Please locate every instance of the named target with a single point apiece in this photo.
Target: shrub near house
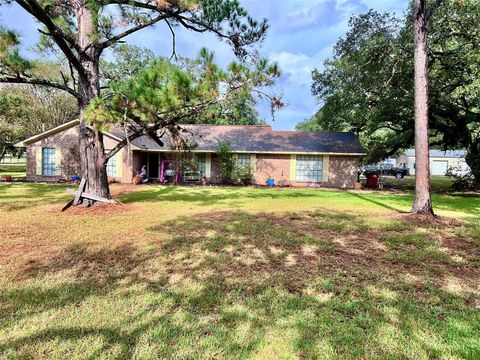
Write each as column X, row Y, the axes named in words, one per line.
column 296, row 158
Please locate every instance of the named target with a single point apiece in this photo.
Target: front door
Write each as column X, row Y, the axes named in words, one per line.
column 153, row 165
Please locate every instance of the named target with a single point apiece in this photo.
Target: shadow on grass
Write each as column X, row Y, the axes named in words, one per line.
column 236, row 285
column 376, row 201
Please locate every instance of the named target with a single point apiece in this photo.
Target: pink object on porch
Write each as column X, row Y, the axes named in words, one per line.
column 163, row 167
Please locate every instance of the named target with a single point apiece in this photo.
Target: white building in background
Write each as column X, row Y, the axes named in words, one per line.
column 440, row 161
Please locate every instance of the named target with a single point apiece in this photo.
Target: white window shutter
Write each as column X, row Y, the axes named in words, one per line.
column 38, row 160
column 293, row 167
column 326, row 168
column 118, row 164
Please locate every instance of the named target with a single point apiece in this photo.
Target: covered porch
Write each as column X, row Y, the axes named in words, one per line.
column 169, row 167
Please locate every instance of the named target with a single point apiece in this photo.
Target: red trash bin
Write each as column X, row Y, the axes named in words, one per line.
column 372, row 179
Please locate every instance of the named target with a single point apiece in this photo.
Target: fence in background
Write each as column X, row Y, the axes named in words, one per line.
column 12, row 159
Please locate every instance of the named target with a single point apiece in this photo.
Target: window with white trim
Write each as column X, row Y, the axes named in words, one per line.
column 243, row 161
column 309, row 168
column 196, row 168
column 112, row 166
column 201, row 161
column 48, row 161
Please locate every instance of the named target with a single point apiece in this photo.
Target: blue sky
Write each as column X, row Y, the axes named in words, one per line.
column 301, row 36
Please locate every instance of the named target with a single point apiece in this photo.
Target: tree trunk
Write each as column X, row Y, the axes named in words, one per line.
column 422, row 203
column 3, row 151
column 92, row 158
column 473, row 161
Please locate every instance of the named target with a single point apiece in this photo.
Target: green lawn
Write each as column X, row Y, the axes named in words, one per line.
column 177, row 272
column 14, row 170
column 438, row 183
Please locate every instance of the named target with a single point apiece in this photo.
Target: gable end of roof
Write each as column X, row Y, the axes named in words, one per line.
column 45, row 134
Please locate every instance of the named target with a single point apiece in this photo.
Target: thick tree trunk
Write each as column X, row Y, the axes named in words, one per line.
column 422, row 203
column 473, row 161
column 92, row 158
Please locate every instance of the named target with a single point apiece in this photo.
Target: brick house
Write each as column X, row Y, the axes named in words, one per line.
column 296, row 158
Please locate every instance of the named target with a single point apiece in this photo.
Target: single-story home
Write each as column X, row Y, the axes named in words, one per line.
column 296, row 158
column 440, row 161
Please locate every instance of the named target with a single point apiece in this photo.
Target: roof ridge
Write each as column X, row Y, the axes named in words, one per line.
column 313, row 131
column 226, row 125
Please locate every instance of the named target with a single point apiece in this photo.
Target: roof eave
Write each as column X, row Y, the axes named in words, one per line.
column 263, row 152
column 43, row 135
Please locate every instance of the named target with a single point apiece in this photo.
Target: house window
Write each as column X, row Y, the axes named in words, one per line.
column 112, row 166
column 243, row 161
column 196, row 169
column 201, row 161
column 309, row 168
column 48, row 161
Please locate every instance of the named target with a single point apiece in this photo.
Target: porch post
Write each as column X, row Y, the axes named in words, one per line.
column 162, row 170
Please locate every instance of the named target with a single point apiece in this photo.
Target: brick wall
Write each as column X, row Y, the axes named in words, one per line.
column 215, row 175
column 342, row 172
column 342, row 169
column 67, row 140
column 272, row 165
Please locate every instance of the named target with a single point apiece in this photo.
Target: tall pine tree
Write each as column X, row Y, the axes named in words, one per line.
column 82, row 29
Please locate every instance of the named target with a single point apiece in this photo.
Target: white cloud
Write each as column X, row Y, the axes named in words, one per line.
column 297, row 67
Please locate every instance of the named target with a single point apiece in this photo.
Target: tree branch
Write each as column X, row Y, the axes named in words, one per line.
column 150, row 130
column 200, row 28
column 41, row 82
column 60, row 37
column 115, row 38
column 174, row 52
column 68, row 38
column 138, row 4
column 136, row 134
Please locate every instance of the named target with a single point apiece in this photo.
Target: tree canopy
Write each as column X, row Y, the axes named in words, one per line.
column 109, row 21
column 27, row 110
column 80, row 31
column 129, row 60
column 165, row 94
column 367, row 86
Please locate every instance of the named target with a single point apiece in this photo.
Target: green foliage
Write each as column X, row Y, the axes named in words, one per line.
column 367, row 86
column 11, row 131
column 226, row 162
column 26, row 111
column 244, row 175
column 230, row 172
column 247, row 79
column 165, row 94
column 128, row 61
column 10, row 59
column 227, row 16
column 162, row 95
column 363, row 85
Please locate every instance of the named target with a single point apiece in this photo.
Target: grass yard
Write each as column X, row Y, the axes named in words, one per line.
column 438, row 183
column 195, row 273
column 14, row 170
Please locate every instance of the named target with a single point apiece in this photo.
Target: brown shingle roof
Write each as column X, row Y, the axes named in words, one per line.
column 252, row 138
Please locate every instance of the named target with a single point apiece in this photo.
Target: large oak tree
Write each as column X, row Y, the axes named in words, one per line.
column 367, row 86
